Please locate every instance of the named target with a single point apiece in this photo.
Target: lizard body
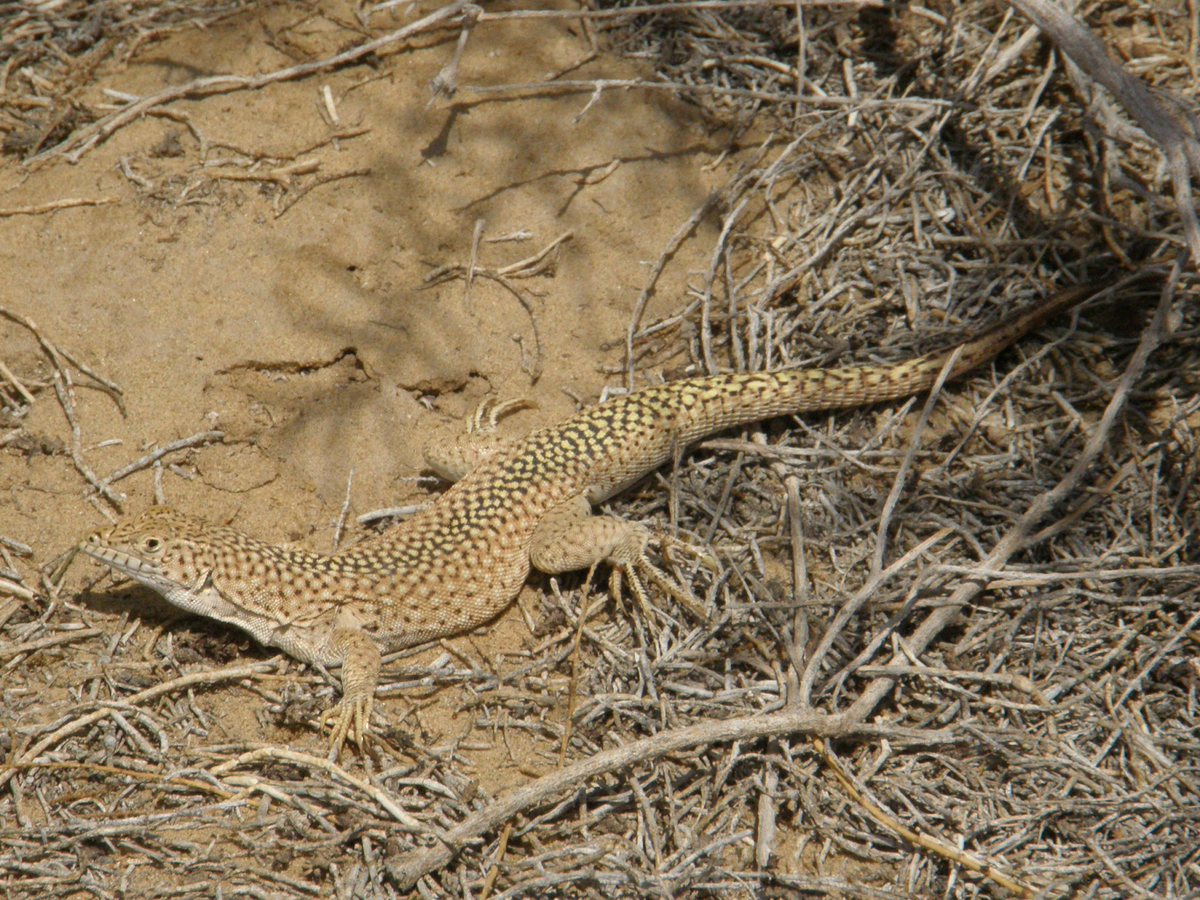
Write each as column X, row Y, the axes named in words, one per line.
column 460, row 561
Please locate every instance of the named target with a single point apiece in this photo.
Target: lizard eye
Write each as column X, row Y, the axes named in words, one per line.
column 151, row 544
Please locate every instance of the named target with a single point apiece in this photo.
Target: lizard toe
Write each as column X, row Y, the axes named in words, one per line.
column 349, row 719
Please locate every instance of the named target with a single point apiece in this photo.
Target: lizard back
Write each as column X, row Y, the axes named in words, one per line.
column 479, row 531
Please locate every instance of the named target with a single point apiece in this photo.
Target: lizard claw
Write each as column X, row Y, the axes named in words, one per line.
column 351, row 718
column 454, row 458
column 632, row 562
column 490, row 411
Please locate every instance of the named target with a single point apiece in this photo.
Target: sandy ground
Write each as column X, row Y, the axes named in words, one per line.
column 309, row 337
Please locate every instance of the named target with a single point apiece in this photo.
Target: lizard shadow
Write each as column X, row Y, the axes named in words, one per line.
column 195, row 637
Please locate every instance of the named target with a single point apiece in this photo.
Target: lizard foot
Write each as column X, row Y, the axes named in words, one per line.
column 454, row 458
column 629, row 560
column 490, row 411
column 351, row 718
column 569, row 537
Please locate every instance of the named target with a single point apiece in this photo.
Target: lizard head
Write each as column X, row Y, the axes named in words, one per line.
column 163, row 549
column 211, row 570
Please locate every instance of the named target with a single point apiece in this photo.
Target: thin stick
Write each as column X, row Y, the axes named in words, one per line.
column 290, row 198
column 472, row 262
column 534, row 368
column 203, row 437
column 16, row 383
column 23, row 549
column 40, row 208
column 65, row 637
column 341, row 519
column 86, row 138
column 671, row 249
column 66, row 399
column 57, row 354
column 125, row 772
column 524, row 266
column 316, row 762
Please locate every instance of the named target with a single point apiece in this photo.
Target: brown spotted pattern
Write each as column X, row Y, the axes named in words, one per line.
column 460, row 561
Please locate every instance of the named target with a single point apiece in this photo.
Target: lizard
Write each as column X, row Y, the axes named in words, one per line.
column 460, row 561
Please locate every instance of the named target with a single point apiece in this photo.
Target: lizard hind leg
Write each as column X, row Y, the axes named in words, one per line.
column 454, row 458
column 569, row 537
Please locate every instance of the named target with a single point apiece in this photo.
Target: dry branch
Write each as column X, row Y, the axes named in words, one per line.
column 408, row 869
column 39, row 208
column 1088, row 52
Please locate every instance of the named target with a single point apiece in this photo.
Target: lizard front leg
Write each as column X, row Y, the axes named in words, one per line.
column 569, row 537
column 361, row 662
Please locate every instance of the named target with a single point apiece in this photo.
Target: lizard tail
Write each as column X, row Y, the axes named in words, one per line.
column 712, row 404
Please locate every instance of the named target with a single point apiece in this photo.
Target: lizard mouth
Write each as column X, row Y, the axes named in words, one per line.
column 127, row 564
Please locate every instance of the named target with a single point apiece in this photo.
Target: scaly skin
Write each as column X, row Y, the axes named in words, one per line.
column 459, row 562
